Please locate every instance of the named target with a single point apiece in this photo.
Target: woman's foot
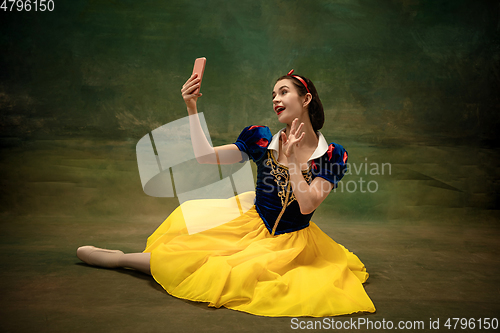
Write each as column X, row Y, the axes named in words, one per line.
column 99, row 257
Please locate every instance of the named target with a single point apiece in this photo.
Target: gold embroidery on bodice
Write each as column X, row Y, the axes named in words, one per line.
column 281, row 177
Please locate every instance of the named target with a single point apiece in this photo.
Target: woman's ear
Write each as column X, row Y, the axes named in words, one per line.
column 307, row 100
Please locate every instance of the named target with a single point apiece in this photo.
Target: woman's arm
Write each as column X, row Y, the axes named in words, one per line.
column 308, row 196
column 204, row 152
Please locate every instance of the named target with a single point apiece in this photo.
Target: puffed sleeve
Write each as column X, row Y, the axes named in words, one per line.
column 332, row 165
column 253, row 141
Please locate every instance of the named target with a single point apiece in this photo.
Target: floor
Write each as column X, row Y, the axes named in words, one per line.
column 429, row 237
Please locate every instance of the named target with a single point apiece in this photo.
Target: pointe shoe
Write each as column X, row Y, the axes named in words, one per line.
column 99, row 257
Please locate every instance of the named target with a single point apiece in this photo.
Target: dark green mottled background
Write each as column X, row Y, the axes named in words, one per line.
column 387, row 71
column 411, row 83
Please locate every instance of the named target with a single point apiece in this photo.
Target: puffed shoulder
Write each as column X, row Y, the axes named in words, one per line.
column 332, row 165
column 253, row 141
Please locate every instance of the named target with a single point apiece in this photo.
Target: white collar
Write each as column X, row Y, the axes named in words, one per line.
column 320, row 150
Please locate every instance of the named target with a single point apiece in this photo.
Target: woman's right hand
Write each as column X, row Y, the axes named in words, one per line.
column 188, row 89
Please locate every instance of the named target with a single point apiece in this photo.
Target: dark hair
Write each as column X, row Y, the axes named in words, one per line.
column 315, row 108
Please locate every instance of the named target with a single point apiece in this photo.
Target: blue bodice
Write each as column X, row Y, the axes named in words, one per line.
column 271, row 195
column 273, row 190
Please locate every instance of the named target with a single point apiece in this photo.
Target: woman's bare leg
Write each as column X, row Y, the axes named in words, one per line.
column 137, row 261
column 114, row 259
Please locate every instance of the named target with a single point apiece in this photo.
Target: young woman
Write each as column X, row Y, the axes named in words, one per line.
column 272, row 260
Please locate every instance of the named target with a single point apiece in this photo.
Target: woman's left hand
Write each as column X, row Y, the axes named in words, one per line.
column 294, row 138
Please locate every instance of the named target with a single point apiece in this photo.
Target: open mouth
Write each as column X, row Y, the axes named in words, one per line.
column 279, row 109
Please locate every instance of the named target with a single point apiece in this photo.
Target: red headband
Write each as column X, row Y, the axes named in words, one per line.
column 300, row 79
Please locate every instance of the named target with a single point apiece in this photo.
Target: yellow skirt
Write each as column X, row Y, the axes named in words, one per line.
column 240, row 266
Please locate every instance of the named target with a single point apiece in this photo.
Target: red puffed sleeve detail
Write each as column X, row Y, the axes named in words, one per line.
column 332, row 165
column 253, row 141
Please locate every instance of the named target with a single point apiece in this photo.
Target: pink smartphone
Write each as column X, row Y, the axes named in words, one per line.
column 199, row 68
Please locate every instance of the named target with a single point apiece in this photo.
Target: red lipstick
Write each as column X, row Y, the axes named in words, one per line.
column 279, row 108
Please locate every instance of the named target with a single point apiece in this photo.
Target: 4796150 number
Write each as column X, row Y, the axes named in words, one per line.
column 27, row 5
column 471, row 323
